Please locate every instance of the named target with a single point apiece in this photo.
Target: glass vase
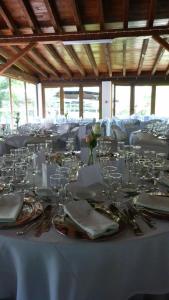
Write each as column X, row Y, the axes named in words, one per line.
column 91, row 157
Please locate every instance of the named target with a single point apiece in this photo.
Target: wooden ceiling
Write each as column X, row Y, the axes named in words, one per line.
column 56, row 40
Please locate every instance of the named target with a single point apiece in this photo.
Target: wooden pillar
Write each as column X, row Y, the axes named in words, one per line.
column 37, row 102
column 153, row 96
column 100, row 101
column 43, row 102
column 11, row 102
column 61, row 100
column 114, row 100
column 26, row 101
column 132, row 99
column 81, row 101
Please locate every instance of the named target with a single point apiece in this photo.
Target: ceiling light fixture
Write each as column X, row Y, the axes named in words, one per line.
column 84, row 42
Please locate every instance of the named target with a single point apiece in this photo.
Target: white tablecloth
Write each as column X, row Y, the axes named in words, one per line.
column 54, row 267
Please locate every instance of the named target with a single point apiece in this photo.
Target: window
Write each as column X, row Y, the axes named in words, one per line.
column 31, row 101
column 143, row 100
column 5, row 110
column 71, row 102
column 18, row 98
column 52, row 102
column 91, row 102
column 122, row 101
column 162, row 101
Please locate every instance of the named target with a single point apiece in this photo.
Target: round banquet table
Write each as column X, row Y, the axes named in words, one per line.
column 55, row 267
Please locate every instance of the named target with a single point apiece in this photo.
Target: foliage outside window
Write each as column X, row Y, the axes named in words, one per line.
column 91, row 102
column 122, row 101
column 71, row 102
column 5, row 109
column 31, row 102
column 142, row 100
column 52, row 102
column 18, row 99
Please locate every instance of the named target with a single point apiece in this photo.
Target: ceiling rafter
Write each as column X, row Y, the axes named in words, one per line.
column 9, row 21
column 124, row 57
column 80, row 27
column 161, row 41
column 142, row 56
column 108, row 58
column 30, row 15
column 52, row 10
column 29, row 12
column 167, row 70
column 7, row 17
column 106, row 49
column 125, row 13
column 16, row 57
column 6, row 55
column 157, row 59
column 46, row 65
column 151, row 13
column 53, row 52
column 49, row 38
column 31, row 63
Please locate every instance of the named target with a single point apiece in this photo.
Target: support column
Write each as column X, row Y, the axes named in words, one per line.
column 106, row 99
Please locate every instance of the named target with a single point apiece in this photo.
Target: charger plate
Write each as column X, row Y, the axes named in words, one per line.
column 156, row 196
column 30, row 211
column 67, row 227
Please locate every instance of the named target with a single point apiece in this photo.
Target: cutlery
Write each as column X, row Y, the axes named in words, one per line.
column 46, row 221
column 147, row 219
column 132, row 222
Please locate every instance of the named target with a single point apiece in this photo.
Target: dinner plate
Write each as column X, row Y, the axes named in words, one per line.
column 29, row 212
column 154, row 211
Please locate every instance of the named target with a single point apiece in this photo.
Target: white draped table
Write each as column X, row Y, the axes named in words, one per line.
column 54, row 267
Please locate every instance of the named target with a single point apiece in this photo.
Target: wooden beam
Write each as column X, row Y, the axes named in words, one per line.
column 106, row 49
column 101, row 14
column 5, row 54
column 29, row 13
column 125, row 13
column 124, row 57
column 142, row 56
column 49, row 38
column 76, row 15
column 13, row 73
column 54, row 53
column 153, row 97
column 80, row 27
column 91, row 59
column 108, row 58
column 31, row 63
column 167, row 71
column 52, row 10
column 42, row 60
column 75, row 59
column 11, row 61
column 7, row 17
column 161, row 41
column 151, row 13
column 157, row 59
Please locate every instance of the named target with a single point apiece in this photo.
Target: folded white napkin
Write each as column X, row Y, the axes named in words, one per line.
column 92, row 222
column 10, row 206
column 156, row 202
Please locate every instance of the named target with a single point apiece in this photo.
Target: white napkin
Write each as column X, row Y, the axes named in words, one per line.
column 156, row 202
column 92, row 222
column 90, row 175
column 10, row 206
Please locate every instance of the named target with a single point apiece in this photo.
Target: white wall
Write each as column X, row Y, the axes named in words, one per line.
column 106, row 99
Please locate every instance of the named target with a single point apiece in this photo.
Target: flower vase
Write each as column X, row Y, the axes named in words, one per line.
column 91, row 157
